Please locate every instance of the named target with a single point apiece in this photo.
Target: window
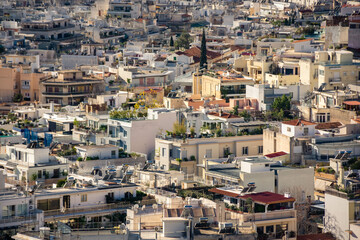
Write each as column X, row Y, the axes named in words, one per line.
column 8, row 211
column 306, row 131
column 245, row 151
column 113, row 153
column 270, row 229
column 125, row 133
column 260, row 149
column 208, row 153
column 83, row 197
column 344, row 73
column 163, row 152
column 289, row 129
column 321, row 72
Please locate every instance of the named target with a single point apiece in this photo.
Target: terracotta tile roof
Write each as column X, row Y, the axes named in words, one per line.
column 196, row 52
column 352, row 103
column 328, row 125
column 319, row 236
column 223, row 115
column 304, row 40
column 276, row 154
column 223, row 192
column 197, row 104
column 267, row 198
column 234, row 48
column 298, row 122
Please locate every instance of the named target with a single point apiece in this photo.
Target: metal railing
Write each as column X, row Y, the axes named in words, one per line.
column 19, row 219
column 94, row 208
column 90, row 208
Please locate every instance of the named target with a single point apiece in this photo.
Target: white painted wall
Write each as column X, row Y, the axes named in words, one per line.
column 336, row 218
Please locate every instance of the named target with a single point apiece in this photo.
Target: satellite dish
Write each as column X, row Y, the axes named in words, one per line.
column 136, row 206
column 155, row 206
column 122, row 226
column 143, row 207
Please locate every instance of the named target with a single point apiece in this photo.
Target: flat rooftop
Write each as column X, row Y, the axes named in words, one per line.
column 88, row 147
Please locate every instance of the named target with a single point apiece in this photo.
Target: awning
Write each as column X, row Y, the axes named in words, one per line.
column 352, row 103
column 321, row 184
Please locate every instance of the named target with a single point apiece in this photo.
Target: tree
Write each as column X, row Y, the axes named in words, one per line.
column 203, row 57
column 34, row 177
column 281, row 107
column 76, row 123
column 245, row 115
column 171, row 42
column 183, row 41
column 17, row 97
column 179, row 128
column 236, row 110
column 249, row 205
column 286, row 22
column 61, row 183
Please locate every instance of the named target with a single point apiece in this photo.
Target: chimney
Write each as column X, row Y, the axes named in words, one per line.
column 51, row 107
column 340, row 179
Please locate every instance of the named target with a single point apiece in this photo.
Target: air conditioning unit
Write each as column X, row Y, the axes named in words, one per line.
column 31, row 207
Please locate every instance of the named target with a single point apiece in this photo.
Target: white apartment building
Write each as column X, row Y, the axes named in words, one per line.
column 137, row 135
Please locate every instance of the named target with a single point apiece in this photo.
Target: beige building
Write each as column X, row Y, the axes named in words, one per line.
column 199, row 149
column 332, row 69
column 220, row 85
column 10, row 81
column 19, row 79
column 70, row 87
column 253, row 67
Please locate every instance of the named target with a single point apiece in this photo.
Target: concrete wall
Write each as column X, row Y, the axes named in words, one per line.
column 289, row 179
column 264, row 181
column 337, row 216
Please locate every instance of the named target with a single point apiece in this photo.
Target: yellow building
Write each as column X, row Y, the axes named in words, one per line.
column 220, row 85
column 253, row 67
column 199, row 149
column 332, row 69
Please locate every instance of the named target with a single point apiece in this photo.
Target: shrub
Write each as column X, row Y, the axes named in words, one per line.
column 61, row 183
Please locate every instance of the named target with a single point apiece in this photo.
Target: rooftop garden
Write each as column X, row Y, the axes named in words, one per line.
column 127, row 114
column 22, row 124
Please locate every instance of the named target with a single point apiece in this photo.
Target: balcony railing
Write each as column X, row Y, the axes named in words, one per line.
column 335, row 80
column 65, row 93
column 281, row 214
column 93, row 208
column 48, row 29
column 18, row 219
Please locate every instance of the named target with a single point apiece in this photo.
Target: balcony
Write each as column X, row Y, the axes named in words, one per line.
column 271, row 215
column 334, row 80
column 101, row 210
column 17, row 220
column 66, row 93
column 42, row 29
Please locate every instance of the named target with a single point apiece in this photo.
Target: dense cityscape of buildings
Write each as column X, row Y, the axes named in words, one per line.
column 164, row 119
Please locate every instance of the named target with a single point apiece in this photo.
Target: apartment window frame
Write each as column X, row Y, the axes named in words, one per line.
column 245, row 151
column 83, row 198
column 260, row 149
